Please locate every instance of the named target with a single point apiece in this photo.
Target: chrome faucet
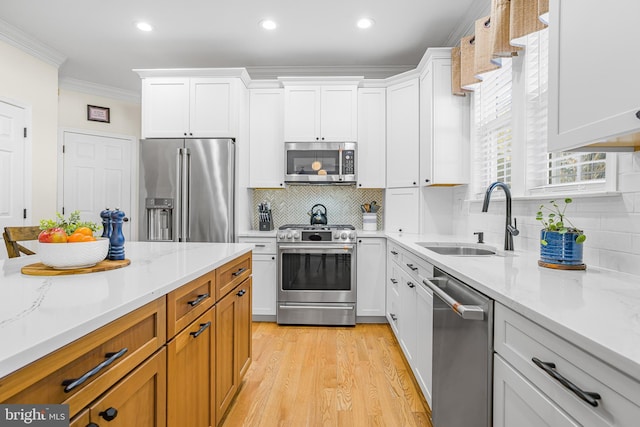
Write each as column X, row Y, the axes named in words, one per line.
column 509, row 230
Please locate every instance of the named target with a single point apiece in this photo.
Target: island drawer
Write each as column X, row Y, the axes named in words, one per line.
column 189, row 301
column 232, row 274
column 82, row 370
column 519, row 341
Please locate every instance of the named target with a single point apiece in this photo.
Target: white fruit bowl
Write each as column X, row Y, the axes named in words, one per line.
column 66, row 256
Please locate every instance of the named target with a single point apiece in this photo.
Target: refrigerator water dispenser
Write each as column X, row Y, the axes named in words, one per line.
column 159, row 219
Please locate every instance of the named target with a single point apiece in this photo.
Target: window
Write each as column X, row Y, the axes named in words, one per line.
column 547, row 172
column 493, row 129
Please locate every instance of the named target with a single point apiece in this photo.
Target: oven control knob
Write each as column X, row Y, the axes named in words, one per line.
column 344, row 235
column 296, row 235
column 336, row 235
column 352, row 235
column 289, row 235
column 281, row 236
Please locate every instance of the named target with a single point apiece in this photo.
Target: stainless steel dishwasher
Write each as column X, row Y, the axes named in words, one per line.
column 462, row 353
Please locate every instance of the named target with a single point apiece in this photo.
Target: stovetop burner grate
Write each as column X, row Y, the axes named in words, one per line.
column 317, row 227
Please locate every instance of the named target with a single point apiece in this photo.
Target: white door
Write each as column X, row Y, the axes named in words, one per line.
column 97, row 175
column 12, row 166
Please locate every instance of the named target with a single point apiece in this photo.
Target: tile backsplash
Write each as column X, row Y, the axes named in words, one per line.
column 611, row 223
column 290, row 205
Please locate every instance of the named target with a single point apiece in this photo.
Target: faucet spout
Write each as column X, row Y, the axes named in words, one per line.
column 509, row 230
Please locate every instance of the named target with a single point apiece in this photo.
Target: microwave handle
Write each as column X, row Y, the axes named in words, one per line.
column 340, row 170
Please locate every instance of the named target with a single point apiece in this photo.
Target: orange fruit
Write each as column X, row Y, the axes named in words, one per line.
column 84, row 230
column 76, row 237
column 89, row 239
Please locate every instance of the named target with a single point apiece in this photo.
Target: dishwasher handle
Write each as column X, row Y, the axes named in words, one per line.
column 467, row 312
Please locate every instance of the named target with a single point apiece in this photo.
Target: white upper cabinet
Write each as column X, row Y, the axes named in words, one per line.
column 202, row 107
column 402, row 210
column 266, row 138
column 372, row 131
column 403, row 126
column 444, row 124
column 317, row 113
column 594, row 83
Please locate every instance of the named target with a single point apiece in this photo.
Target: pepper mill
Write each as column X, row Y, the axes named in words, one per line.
column 116, row 240
column 106, row 222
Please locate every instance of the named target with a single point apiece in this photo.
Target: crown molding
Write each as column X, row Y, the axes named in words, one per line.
column 477, row 10
column 238, row 72
column 367, row 72
column 97, row 89
column 28, row 44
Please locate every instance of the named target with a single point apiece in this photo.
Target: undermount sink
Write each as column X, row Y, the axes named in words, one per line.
column 457, row 249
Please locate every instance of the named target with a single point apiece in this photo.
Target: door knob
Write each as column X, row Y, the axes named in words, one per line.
column 109, row 414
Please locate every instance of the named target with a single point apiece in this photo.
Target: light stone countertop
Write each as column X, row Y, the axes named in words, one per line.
column 39, row 314
column 597, row 310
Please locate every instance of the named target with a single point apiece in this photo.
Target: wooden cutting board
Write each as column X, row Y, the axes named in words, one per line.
column 39, row 269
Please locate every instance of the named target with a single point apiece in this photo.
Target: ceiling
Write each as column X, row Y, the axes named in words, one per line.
column 97, row 42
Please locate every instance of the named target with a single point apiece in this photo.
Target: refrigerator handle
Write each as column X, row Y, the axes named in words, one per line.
column 178, row 218
column 187, row 195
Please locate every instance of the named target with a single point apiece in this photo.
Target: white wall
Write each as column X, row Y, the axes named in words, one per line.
column 30, row 81
column 72, row 113
column 611, row 223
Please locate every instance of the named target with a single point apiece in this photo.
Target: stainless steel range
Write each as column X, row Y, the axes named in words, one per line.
column 316, row 275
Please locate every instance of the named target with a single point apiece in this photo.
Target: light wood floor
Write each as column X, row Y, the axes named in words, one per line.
column 327, row 376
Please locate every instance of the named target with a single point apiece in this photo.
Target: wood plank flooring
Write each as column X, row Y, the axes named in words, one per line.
column 327, row 376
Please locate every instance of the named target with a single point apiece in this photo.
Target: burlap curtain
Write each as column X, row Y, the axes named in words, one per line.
column 496, row 37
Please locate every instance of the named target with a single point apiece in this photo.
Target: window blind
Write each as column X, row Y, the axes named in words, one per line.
column 492, row 117
column 548, row 172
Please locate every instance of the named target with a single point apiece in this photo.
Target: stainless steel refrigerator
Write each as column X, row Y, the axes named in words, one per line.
column 187, row 190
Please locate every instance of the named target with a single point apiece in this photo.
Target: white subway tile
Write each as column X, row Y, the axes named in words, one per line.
column 620, row 261
column 629, row 182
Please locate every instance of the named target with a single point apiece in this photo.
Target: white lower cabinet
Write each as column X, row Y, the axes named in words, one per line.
column 410, row 312
column 264, row 275
column 538, row 373
column 517, row 402
column 371, row 271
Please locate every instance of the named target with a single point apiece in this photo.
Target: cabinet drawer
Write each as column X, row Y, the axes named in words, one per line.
column 94, row 362
column 518, row 341
column 394, row 253
column 416, row 267
column 263, row 245
column 189, row 301
column 231, row 274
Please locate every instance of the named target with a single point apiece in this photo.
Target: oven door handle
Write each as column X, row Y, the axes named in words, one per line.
column 313, row 249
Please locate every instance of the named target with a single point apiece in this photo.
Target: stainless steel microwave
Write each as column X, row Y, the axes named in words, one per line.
column 320, row 162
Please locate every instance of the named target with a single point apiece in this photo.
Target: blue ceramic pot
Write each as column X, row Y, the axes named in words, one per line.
column 560, row 249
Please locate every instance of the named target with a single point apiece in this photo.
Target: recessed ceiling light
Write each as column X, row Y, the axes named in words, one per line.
column 365, row 23
column 268, row 24
column 144, row 26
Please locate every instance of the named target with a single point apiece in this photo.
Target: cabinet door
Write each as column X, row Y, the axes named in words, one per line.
column 245, row 295
column 226, row 350
column 407, row 321
column 137, row 400
column 370, row 288
column 393, row 295
column 339, row 113
column 266, row 137
column 264, row 291
column 372, row 136
column 165, row 107
column 402, row 207
column 424, row 340
column 589, row 100
column 403, row 127
column 302, row 114
column 212, row 112
column 517, row 402
column 191, row 379
column 444, row 143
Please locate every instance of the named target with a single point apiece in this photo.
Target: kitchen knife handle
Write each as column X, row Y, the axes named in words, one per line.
column 111, row 357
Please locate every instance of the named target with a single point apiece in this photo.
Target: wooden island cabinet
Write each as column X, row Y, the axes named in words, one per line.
column 160, row 365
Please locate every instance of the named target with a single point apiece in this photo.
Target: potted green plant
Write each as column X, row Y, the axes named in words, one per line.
column 561, row 242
